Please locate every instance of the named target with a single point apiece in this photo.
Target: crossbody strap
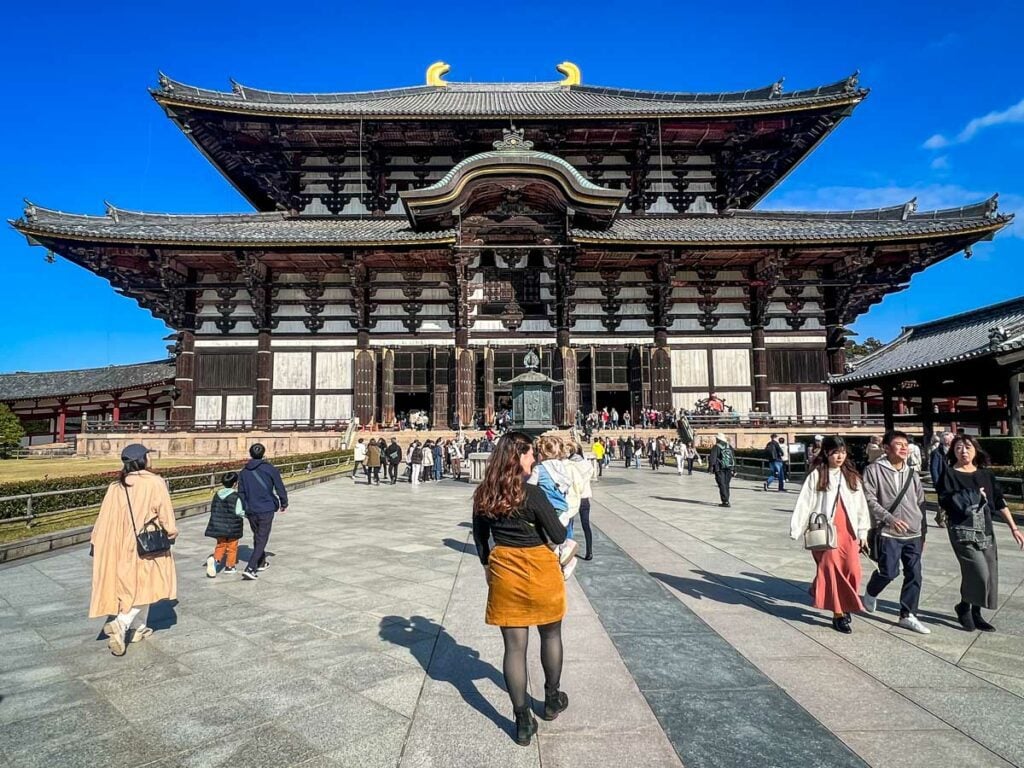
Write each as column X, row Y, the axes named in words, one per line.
column 131, row 514
column 260, row 479
column 903, row 491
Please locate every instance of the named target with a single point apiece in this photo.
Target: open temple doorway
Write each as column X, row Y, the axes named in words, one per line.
column 408, row 405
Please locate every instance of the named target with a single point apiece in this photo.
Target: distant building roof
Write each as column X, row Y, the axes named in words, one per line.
column 113, row 378
column 741, row 226
column 992, row 330
column 544, row 99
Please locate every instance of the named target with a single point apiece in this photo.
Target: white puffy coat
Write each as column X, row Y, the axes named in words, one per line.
column 811, row 501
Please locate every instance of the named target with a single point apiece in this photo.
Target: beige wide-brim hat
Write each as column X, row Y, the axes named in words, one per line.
column 721, row 437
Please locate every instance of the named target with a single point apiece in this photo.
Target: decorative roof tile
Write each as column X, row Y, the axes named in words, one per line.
column 546, row 99
column 991, row 330
column 113, row 378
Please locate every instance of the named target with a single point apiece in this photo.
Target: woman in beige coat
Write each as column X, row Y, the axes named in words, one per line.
column 123, row 583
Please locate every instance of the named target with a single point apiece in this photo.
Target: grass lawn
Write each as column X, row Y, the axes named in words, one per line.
column 12, row 470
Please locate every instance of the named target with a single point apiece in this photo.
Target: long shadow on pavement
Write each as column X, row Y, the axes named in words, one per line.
column 760, row 592
column 701, row 502
column 460, row 546
column 451, row 662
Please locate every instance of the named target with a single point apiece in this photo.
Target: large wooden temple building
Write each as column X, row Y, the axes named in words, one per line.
column 409, row 246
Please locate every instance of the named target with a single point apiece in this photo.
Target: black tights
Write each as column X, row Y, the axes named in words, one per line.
column 514, row 665
column 588, row 534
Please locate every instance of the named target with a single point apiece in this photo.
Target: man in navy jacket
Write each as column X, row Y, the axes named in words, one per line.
column 263, row 493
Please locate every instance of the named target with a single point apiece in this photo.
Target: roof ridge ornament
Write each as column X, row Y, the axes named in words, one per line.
column 571, row 72
column 992, row 206
column 30, row 211
column 436, row 73
column 512, row 141
column 164, row 82
column 997, row 336
column 776, row 91
column 909, row 208
column 851, row 82
column 110, row 210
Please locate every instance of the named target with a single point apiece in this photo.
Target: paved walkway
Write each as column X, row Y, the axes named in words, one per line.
column 689, row 641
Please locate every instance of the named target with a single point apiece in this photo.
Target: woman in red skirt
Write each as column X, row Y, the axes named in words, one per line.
column 525, row 584
column 834, row 488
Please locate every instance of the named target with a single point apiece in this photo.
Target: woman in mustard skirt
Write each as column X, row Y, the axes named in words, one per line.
column 525, row 585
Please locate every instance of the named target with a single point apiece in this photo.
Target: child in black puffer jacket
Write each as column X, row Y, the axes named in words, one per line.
column 226, row 514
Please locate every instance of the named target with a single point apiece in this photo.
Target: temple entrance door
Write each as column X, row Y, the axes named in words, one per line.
column 617, row 400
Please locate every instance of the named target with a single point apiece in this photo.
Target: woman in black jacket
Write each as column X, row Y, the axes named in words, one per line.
column 525, row 585
column 967, row 494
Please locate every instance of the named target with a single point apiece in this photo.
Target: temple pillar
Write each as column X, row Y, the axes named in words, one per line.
column 1013, row 406
column 62, row 419
column 183, row 409
column 887, row 414
column 465, row 385
column 835, row 348
column 984, row 419
column 365, row 380
column 661, row 372
column 759, row 362
column 439, row 403
column 488, row 354
column 264, row 380
column 115, row 411
column 387, row 386
column 927, row 417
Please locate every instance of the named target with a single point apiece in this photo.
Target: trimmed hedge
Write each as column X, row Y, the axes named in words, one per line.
column 84, row 498
column 1005, row 451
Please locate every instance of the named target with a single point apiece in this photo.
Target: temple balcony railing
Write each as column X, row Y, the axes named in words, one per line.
column 218, row 425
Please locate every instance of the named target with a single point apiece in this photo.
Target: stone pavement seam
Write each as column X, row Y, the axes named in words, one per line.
column 767, row 608
column 754, row 601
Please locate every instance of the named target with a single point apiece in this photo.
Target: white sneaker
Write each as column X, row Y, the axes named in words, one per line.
column 211, row 567
column 568, row 569
column 911, row 622
column 870, row 603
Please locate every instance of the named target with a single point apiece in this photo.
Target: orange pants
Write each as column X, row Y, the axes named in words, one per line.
column 226, row 548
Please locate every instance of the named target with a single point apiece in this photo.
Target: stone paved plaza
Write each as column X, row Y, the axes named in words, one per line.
column 689, row 641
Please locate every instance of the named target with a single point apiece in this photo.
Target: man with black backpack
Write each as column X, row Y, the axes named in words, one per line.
column 896, row 500
column 263, row 494
column 777, row 469
column 393, row 455
column 722, row 464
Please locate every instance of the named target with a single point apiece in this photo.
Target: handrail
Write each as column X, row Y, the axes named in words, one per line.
column 211, row 480
column 95, row 426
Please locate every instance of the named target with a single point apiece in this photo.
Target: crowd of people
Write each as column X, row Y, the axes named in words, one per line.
column 534, row 492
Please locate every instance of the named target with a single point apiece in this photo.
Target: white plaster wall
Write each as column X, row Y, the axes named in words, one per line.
column 732, row 367
column 292, row 370
column 690, row 368
column 208, row 408
column 741, row 402
column 290, row 408
column 783, row 403
column 239, row 408
column 814, row 403
column 334, row 370
column 333, row 407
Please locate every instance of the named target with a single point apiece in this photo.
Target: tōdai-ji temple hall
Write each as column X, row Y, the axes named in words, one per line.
column 409, row 246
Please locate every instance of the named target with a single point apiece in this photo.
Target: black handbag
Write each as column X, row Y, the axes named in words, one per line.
column 153, row 539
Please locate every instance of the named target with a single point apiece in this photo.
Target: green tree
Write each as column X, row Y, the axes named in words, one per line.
column 11, row 431
column 859, row 349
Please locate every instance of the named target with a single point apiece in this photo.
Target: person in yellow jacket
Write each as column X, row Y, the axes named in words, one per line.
column 598, row 449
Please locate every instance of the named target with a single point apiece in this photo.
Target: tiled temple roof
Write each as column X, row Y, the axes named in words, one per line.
column 741, row 226
column 546, row 99
column 113, row 378
column 992, row 330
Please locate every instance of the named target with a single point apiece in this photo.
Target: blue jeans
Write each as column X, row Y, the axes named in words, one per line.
column 778, row 470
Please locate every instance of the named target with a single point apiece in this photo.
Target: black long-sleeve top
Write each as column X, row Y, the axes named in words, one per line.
column 532, row 525
column 953, row 480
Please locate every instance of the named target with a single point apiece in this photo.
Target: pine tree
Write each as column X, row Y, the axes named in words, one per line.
column 11, row 432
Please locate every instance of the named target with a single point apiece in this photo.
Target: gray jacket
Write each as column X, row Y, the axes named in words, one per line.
column 882, row 484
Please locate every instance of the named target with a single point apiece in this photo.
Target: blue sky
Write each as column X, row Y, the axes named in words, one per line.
column 79, row 127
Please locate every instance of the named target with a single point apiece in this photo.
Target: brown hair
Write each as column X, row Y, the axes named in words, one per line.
column 550, row 447
column 830, row 445
column 981, row 459
column 502, row 493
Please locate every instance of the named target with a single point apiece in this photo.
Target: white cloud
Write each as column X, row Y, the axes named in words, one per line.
column 1009, row 116
column 940, row 163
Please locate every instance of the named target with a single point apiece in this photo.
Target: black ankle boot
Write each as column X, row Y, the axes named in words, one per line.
column 555, row 703
column 963, row 615
column 842, row 624
column 980, row 623
column 526, row 726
